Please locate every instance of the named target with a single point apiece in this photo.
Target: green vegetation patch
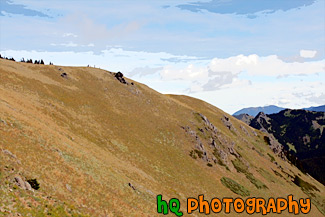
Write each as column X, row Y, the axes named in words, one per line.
column 267, row 175
column 311, row 191
column 199, row 153
column 219, row 160
column 196, row 154
column 258, row 184
column 198, row 117
column 271, row 157
column 192, row 154
column 235, row 187
column 291, row 147
column 242, row 168
column 305, row 186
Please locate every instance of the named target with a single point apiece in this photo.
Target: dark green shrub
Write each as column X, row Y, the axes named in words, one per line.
column 192, row 154
column 258, row 184
column 305, row 186
column 199, row 153
column 235, row 187
column 267, row 140
column 33, row 183
column 272, row 158
column 240, row 166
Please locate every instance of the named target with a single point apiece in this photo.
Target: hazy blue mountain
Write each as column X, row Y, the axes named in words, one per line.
column 316, row 108
column 272, row 109
column 253, row 111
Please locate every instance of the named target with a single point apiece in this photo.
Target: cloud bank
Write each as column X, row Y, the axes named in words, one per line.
column 11, row 8
column 244, row 7
column 220, row 72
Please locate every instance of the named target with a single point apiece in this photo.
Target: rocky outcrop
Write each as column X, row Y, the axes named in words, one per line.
column 261, row 122
column 226, row 121
column 120, row 78
column 208, row 124
column 244, row 118
column 13, row 156
column 7, row 152
column 131, row 186
column 64, row 75
column 275, row 146
column 244, row 130
column 219, row 148
column 198, row 143
column 21, row 183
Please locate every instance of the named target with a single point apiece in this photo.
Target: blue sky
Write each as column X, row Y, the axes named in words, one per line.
column 231, row 53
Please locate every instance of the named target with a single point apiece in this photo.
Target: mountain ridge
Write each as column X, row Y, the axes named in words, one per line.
column 301, row 133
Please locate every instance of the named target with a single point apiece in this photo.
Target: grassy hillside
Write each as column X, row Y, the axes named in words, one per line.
column 98, row 147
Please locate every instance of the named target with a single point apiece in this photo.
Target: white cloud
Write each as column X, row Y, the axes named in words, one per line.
column 265, row 93
column 221, row 72
column 190, row 72
column 72, row 44
column 308, row 53
column 144, row 71
column 269, row 65
column 69, row 34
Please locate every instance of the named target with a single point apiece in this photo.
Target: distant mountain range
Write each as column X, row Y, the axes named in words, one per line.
column 271, row 109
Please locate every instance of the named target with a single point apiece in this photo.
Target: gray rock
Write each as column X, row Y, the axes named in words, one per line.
column 5, row 151
column 21, row 183
column 68, row 187
column 208, row 123
column 274, row 145
column 120, row 78
column 226, row 121
column 28, row 187
column 64, row 75
column 244, row 118
column 131, row 186
column 4, row 122
column 244, row 130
